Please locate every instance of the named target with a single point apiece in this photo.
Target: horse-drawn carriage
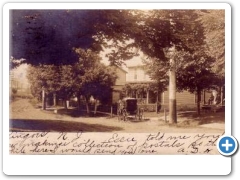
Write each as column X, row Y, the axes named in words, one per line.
column 128, row 108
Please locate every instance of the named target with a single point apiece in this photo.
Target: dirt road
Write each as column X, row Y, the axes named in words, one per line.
column 25, row 117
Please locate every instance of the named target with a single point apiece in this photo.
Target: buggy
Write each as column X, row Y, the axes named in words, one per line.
column 128, row 108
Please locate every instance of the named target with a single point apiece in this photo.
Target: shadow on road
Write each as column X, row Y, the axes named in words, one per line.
column 204, row 118
column 58, row 126
column 74, row 112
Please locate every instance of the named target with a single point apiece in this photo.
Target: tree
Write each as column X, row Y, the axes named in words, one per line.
column 155, row 32
column 40, row 39
column 97, row 82
column 151, row 31
column 92, row 78
column 213, row 22
column 196, row 75
column 87, row 77
column 194, row 65
column 44, row 80
column 49, row 36
column 185, row 31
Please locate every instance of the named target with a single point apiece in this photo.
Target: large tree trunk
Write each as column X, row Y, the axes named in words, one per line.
column 172, row 93
column 198, row 102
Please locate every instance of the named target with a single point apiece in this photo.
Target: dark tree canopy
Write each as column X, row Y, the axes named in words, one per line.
column 152, row 31
column 214, row 30
column 49, row 36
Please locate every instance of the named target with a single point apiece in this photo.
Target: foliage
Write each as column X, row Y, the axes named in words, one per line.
column 72, row 43
column 141, row 88
column 138, row 88
column 97, row 82
column 213, row 22
column 88, row 77
column 44, row 76
column 151, row 31
column 197, row 74
column 37, row 37
column 158, row 72
column 49, row 36
column 97, row 79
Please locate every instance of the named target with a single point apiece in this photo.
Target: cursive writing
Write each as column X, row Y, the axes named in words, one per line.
column 112, row 143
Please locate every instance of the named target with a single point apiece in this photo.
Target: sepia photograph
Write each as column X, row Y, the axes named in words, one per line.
column 116, row 81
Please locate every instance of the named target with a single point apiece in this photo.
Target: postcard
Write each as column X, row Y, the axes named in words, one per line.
column 117, row 88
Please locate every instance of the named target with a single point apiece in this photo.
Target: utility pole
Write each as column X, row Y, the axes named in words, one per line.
column 172, row 88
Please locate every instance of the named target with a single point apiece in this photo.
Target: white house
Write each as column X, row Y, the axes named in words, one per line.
column 136, row 74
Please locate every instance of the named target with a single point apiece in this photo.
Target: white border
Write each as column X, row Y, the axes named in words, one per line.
column 114, row 165
column 116, row 5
